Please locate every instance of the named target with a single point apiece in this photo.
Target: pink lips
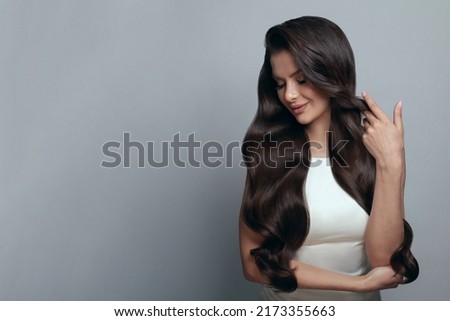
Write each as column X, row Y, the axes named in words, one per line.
column 298, row 108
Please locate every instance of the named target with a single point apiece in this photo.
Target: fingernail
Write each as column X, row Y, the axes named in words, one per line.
column 364, row 94
column 400, row 104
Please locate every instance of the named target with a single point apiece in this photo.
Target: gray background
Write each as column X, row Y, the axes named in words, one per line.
column 76, row 74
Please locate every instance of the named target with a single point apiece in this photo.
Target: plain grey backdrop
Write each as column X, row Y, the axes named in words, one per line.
column 77, row 74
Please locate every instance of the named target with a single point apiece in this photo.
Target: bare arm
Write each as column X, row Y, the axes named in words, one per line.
column 384, row 140
column 311, row 277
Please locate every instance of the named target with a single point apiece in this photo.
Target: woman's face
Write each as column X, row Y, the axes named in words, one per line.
column 308, row 105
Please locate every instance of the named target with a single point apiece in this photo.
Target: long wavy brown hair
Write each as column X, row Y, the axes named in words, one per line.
column 276, row 149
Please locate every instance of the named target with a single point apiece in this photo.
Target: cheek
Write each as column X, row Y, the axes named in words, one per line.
column 326, row 103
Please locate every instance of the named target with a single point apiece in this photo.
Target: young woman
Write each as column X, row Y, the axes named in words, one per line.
column 322, row 215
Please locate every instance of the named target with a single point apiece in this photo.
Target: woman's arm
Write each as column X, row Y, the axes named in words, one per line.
column 311, row 277
column 384, row 140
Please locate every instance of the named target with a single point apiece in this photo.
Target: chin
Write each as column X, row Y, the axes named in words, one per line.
column 302, row 121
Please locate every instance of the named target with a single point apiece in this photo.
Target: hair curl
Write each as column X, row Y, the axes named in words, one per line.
column 273, row 203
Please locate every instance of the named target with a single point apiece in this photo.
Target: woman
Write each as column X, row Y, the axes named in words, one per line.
column 322, row 215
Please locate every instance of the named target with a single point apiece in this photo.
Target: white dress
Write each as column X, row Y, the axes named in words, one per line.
column 336, row 236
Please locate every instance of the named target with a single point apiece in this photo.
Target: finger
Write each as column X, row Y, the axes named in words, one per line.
column 398, row 278
column 398, row 120
column 366, row 124
column 370, row 117
column 374, row 107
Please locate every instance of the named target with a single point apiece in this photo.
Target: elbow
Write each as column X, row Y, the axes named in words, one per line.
column 252, row 274
column 380, row 257
column 249, row 273
column 248, row 276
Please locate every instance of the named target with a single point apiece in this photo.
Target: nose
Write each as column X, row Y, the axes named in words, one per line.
column 291, row 92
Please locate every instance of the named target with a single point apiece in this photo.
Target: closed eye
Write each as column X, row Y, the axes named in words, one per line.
column 279, row 86
column 299, row 81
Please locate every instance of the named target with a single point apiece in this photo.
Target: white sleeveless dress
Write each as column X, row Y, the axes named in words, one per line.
column 336, row 236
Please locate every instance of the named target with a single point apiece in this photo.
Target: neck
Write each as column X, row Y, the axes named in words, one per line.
column 317, row 135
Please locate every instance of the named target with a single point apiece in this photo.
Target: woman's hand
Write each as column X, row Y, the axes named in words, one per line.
column 383, row 277
column 382, row 137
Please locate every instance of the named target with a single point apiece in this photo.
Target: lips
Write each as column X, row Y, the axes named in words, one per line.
column 298, row 108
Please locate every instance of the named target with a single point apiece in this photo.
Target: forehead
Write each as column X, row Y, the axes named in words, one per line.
column 283, row 64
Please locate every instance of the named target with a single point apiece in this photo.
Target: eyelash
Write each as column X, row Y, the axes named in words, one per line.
column 300, row 82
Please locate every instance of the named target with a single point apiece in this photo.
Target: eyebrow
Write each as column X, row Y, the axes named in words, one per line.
column 291, row 75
